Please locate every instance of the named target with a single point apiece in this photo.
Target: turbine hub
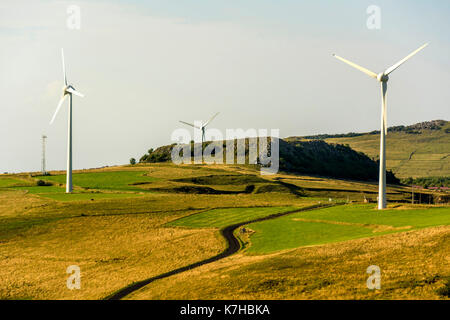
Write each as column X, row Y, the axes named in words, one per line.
column 382, row 77
column 65, row 88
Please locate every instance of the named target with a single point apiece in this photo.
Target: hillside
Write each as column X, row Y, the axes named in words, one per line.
column 307, row 157
column 419, row 150
column 215, row 231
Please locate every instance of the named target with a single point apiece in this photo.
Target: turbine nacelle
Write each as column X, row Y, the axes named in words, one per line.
column 382, row 77
column 67, row 89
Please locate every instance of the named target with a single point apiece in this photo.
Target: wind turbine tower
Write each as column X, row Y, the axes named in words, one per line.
column 44, row 172
column 382, row 78
column 67, row 90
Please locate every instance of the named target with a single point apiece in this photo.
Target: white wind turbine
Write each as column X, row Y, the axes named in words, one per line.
column 68, row 90
column 383, row 78
column 202, row 126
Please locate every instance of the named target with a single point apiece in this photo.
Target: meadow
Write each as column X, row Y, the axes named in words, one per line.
column 339, row 223
column 130, row 223
column 113, row 180
column 407, row 155
column 414, row 265
column 414, row 151
column 219, row 218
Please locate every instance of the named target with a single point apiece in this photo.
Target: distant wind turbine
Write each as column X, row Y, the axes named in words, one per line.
column 383, row 78
column 68, row 90
column 202, row 127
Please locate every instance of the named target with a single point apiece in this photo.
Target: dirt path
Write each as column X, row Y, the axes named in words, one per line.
column 233, row 247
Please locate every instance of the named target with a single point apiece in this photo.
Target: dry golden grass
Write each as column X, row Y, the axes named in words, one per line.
column 119, row 241
column 112, row 252
column 414, row 265
column 14, row 203
column 114, row 241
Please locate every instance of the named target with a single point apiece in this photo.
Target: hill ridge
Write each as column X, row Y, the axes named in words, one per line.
column 418, row 150
column 412, row 129
column 315, row 157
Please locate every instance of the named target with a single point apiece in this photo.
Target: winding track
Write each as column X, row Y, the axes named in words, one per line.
column 233, row 247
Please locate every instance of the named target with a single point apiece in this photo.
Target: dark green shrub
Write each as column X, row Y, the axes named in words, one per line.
column 42, row 183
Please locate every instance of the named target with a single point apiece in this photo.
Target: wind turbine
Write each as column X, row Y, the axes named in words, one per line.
column 68, row 90
column 383, row 78
column 202, row 126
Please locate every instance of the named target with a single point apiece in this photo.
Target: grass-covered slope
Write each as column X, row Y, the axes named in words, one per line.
column 113, row 180
column 314, row 157
column 219, row 218
column 419, row 150
column 117, row 234
column 340, row 223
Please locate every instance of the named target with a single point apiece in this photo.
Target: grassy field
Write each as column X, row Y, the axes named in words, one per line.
column 112, row 180
column 414, row 265
column 125, row 224
column 115, row 241
column 339, row 223
column 219, row 218
column 9, row 182
column 407, row 155
column 88, row 196
column 112, row 251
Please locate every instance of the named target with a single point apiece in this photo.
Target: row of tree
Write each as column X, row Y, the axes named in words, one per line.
column 428, row 181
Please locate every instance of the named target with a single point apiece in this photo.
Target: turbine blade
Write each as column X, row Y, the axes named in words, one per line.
column 58, row 107
column 398, row 64
column 207, row 122
column 189, row 124
column 64, row 66
column 354, row 65
column 75, row 92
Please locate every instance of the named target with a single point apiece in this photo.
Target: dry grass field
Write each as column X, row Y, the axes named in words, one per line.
column 112, row 251
column 120, row 229
column 414, row 265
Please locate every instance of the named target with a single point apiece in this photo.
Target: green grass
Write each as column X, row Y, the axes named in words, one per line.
column 287, row 232
column 59, row 194
column 114, row 181
column 219, row 218
column 88, row 196
column 41, row 190
column 367, row 214
column 110, row 180
column 9, row 182
column 339, row 223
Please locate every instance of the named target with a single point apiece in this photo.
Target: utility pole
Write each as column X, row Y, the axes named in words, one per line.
column 44, row 172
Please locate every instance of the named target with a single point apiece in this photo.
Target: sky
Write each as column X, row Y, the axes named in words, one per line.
column 144, row 65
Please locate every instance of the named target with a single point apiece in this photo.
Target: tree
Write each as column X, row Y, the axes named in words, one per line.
column 132, row 161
